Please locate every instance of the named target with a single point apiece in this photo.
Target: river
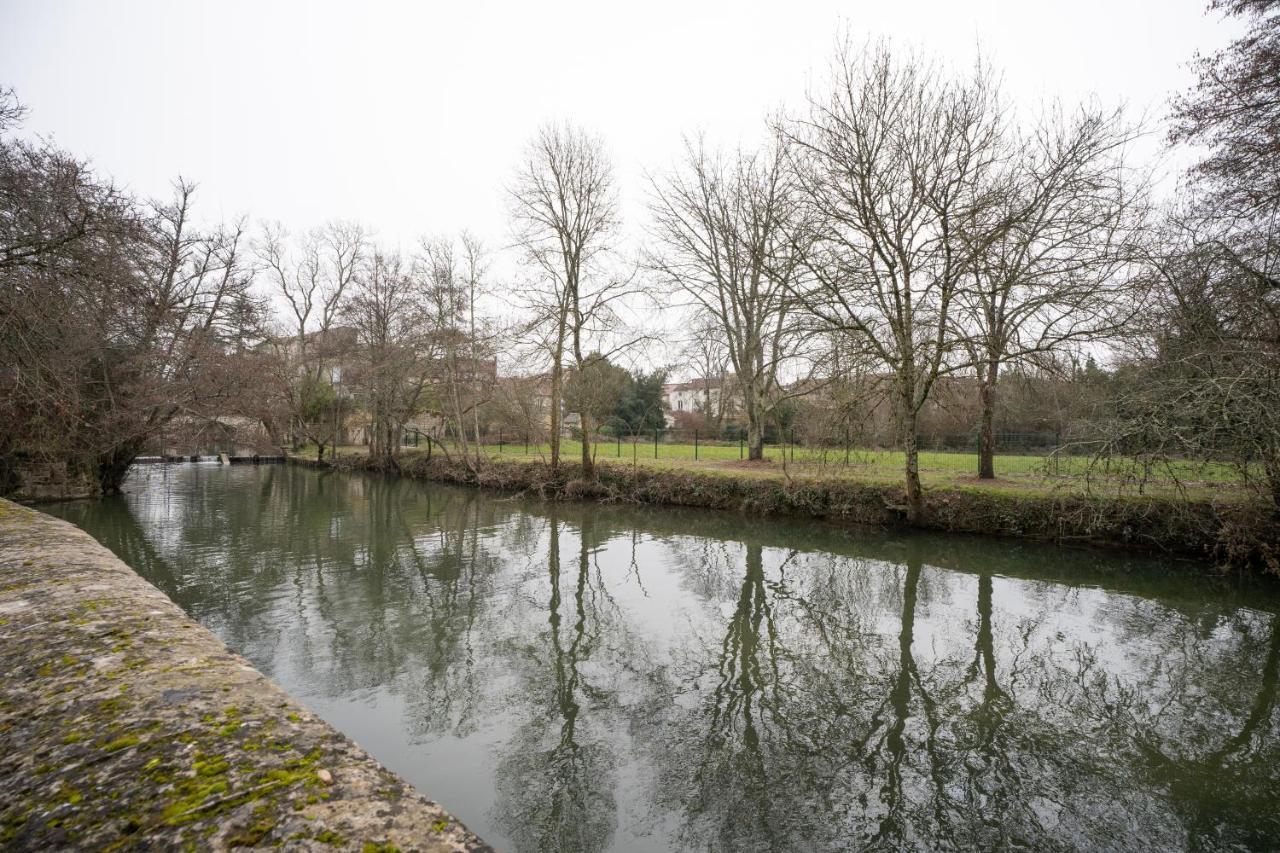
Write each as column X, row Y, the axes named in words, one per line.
column 581, row 677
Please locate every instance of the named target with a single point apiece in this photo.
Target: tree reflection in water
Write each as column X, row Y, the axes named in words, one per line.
column 611, row 678
column 555, row 782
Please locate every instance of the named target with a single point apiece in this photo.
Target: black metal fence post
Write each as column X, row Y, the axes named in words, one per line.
column 619, row 438
column 655, row 442
column 499, row 439
column 740, row 441
column 695, row 445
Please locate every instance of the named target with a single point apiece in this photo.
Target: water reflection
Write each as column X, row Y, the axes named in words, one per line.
column 557, row 773
column 585, row 678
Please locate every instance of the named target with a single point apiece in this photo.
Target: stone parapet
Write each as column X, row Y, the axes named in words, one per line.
column 126, row 725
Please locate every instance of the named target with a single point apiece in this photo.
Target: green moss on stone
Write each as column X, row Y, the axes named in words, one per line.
column 121, row 743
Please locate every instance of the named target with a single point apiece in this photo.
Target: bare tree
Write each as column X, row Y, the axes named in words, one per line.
column 445, row 312
column 1234, row 112
column 184, row 315
column 1050, row 260
column 313, row 278
column 847, row 389
column 11, row 109
column 452, row 285
column 565, row 211
column 117, row 317
column 893, row 161
column 480, row 335
column 386, row 310
column 724, row 229
column 1201, row 377
column 706, row 348
column 52, row 199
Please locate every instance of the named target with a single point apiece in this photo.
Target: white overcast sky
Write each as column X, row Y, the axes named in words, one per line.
column 410, row 117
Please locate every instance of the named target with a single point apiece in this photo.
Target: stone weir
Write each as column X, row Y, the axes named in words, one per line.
column 126, row 725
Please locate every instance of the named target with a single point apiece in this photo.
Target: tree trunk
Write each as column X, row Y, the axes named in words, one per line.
column 556, row 382
column 113, row 467
column 755, row 424
column 755, row 440
column 588, row 464
column 382, row 444
column 987, row 437
column 915, row 495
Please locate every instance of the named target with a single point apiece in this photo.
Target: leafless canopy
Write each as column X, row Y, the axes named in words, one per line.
column 1052, row 262
column 896, row 162
column 726, row 235
column 565, row 214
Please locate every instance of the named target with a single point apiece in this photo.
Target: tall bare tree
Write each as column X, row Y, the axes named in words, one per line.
column 481, row 336
column 452, row 286
column 170, row 350
column 565, row 213
column 385, row 307
column 312, row 277
column 1052, row 260
column 727, row 236
column 893, row 161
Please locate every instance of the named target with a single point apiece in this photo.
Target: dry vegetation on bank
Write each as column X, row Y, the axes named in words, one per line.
column 1220, row 525
column 1034, row 475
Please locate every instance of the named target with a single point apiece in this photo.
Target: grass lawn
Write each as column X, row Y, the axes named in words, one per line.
column 1024, row 474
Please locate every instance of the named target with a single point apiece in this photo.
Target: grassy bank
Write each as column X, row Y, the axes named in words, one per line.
column 954, row 470
column 1226, row 530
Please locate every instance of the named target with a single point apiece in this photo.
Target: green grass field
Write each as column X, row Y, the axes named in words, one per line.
column 954, row 470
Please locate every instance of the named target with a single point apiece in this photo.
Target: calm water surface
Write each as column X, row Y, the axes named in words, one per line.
column 589, row 678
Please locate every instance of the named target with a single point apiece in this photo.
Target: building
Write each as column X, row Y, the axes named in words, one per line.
column 717, row 398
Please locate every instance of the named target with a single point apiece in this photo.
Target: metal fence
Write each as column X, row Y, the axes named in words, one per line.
column 699, row 445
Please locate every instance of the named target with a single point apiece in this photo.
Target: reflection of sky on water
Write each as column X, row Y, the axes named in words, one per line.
column 580, row 677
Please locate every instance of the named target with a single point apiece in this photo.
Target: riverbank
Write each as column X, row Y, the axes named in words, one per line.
column 1226, row 532
column 126, row 725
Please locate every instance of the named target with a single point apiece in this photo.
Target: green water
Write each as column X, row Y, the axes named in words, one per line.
column 588, row 678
